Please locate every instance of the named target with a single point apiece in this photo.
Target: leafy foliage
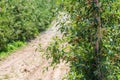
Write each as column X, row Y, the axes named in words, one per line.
column 91, row 42
column 23, row 19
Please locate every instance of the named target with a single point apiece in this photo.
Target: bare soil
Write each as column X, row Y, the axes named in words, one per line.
column 28, row 63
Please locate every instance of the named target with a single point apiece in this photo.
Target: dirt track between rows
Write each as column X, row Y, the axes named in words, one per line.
column 28, row 63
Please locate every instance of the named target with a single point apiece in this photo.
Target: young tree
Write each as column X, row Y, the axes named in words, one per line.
column 93, row 39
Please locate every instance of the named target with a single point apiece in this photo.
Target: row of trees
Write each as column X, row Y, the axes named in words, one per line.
column 93, row 40
column 23, row 19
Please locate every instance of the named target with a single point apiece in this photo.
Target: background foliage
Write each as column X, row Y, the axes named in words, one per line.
column 91, row 42
column 22, row 20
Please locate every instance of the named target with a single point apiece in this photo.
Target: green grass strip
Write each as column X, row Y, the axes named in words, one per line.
column 11, row 47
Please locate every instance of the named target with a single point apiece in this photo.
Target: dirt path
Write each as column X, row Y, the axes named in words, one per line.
column 28, row 63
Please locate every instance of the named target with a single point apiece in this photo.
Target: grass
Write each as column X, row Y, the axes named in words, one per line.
column 11, row 47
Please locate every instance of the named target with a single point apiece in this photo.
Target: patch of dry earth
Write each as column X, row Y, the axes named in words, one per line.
column 28, row 63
